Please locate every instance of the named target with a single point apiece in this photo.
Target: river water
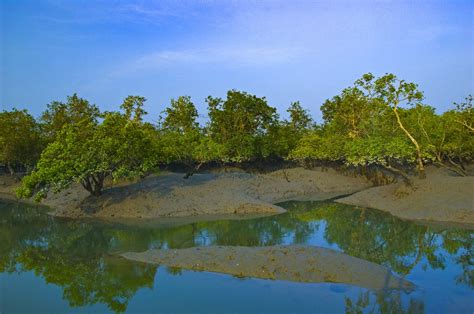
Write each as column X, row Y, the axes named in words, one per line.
column 52, row 265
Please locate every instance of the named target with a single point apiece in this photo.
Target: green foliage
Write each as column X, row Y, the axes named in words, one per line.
column 20, row 140
column 175, row 146
column 392, row 92
column 319, row 146
column 180, row 133
column 181, row 116
column 207, row 150
column 379, row 151
column 300, row 120
column 379, row 122
column 369, row 126
column 87, row 152
column 240, row 124
column 58, row 114
column 458, row 127
column 350, row 114
column 283, row 136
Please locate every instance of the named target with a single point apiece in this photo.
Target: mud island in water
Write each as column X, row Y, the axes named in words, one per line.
column 291, row 263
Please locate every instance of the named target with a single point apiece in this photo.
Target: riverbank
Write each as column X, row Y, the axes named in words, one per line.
column 170, row 195
column 442, row 196
column 8, row 184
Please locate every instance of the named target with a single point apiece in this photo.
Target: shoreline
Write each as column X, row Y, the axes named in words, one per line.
column 440, row 198
column 169, row 195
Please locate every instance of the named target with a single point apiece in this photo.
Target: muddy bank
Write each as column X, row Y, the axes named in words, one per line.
column 169, row 195
column 8, row 184
column 291, row 263
column 442, row 197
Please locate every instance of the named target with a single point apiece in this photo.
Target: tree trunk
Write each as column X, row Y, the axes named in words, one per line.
column 189, row 174
column 399, row 172
column 94, row 184
column 421, row 168
column 87, row 185
column 459, row 168
column 454, row 169
column 10, row 168
column 98, row 184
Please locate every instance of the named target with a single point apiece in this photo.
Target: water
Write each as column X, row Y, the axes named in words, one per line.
column 50, row 265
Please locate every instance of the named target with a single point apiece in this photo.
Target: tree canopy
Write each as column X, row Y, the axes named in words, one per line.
column 88, row 151
column 58, row 114
column 377, row 123
column 20, row 140
column 383, row 122
column 239, row 123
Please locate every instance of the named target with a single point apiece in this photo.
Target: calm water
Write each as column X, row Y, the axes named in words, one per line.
column 50, row 265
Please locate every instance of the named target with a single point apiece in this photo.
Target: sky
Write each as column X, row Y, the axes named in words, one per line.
column 285, row 50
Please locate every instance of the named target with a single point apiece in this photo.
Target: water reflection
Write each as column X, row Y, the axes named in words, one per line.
column 383, row 302
column 82, row 257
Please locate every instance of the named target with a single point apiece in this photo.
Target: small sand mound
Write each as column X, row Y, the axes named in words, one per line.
column 291, row 263
column 439, row 197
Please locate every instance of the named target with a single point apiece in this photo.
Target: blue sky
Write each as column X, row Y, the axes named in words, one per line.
column 284, row 50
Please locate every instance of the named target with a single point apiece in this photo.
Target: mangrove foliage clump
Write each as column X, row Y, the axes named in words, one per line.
column 377, row 123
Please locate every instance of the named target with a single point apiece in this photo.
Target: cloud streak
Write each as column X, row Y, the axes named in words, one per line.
column 244, row 56
column 263, row 33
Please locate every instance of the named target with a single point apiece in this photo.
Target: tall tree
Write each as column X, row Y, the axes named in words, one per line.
column 58, row 114
column 393, row 93
column 181, row 115
column 20, row 141
column 239, row 123
column 87, row 152
column 300, row 119
column 179, row 133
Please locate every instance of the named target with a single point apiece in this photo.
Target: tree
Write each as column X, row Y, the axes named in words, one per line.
column 320, row 146
column 452, row 135
column 465, row 114
column 179, row 133
column 393, row 92
column 365, row 126
column 87, row 152
column 58, row 114
column 300, row 120
column 350, row 113
column 283, row 136
column 181, row 115
column 20, row 140
column 240, row 123
column 460, row 139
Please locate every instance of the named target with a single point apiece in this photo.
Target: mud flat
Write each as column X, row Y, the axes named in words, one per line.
column 169, row 195
column 8, row 184
column 298, row 263
column 440, row 197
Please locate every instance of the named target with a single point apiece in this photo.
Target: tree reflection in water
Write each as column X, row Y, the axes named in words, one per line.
column 81, row 256
column 383, row 302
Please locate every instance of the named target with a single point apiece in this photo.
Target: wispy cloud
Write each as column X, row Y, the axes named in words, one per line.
column 147, row 11
column 231, row 55
column 273, row 33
